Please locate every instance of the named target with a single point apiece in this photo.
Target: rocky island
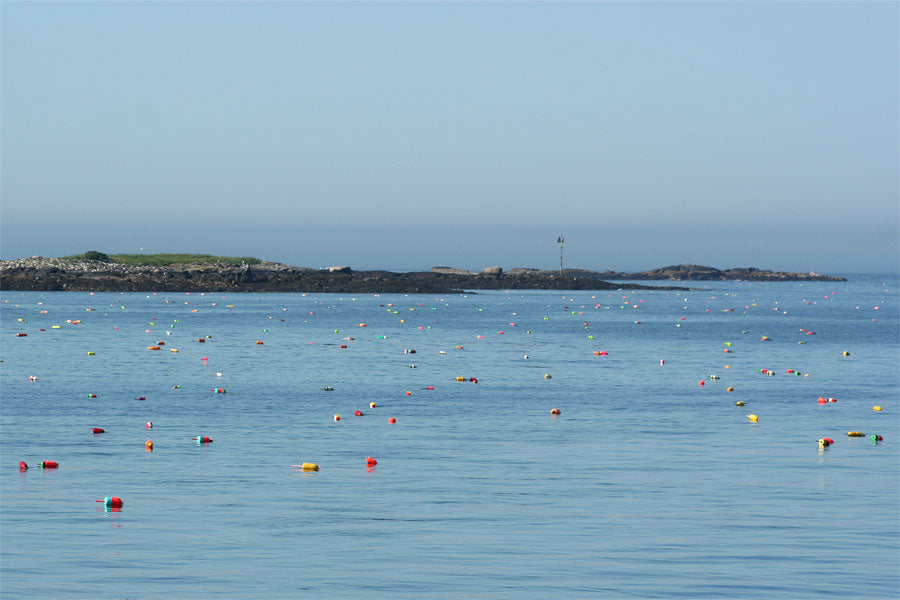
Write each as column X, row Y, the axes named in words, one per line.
column 99, row 272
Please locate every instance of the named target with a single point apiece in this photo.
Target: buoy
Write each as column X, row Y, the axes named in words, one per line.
column 824, row 443
column 548, row 376
column 822, row 400
column 92, row 395
column 220, row 390
column 358, row 413
column 23, row 466
column 49, row 464
column 430, row 387
column 753, row 418
column 337, row 417
column 149, row 425
column 702, row 383
column 112, row 502
column 408, row 393
column 328, row 388
column 149, row 445
column 877, row 438
column 392, row 420
column 876, row 408
column 259, row 343
column 91, row 354
column 846, row 353
column 153, row 348
column 554, row 411
column 371, row 461
column 141, row 398
column 202, row 439
column 855, row 434
column 729, row 389
column 460, row 378
column 714, row 377
column 201, row 340
column 739, row 403
column 99, row 430
column 371, row 405
column 662, row 361
column 307, row 466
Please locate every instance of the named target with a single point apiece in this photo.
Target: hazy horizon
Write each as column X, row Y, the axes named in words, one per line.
column 408, row 135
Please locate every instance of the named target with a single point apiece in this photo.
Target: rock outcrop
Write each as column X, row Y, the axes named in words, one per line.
column 50, row 274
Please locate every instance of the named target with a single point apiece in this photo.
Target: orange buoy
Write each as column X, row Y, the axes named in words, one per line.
column 554, row 411
column 371, row 461
column 259, row 342
column 149, row 445
column 392, row 420
column 729, row 389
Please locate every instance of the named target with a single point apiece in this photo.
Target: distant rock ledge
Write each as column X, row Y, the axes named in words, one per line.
column 688, row 273
column 54, row 274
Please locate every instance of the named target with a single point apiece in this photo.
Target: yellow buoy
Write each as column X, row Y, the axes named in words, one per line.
column 739, row 403
column 309, row 467
column 547, row 376
column 91, row 354
column 846, row 353
column 753, row 418
column 876, row 408
column 855, row 434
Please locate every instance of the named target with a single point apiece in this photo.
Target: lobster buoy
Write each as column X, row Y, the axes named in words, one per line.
column 202, row 439
column 554, row 411
column 112, row 502
column 49, row 464
column 358, row 413
column 371, row 461
column 307, row 466
column 855, row 434
column 23, row 466
column 337, row 417
column 753, row 418
column 877, row 438
column 392, row 420
column 99, row 430
column 92, row 395
column 371, row 405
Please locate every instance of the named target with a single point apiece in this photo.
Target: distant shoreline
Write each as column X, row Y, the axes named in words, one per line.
column 54, row 274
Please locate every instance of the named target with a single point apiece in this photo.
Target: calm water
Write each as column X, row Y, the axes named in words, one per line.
column 646, row 486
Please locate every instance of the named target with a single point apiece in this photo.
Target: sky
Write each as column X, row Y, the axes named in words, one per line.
column 404, row 135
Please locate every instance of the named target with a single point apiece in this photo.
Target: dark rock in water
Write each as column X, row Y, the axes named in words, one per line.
column 50, row 274
column 58, row 275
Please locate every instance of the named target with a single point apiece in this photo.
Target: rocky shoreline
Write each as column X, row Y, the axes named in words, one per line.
column 53, row 274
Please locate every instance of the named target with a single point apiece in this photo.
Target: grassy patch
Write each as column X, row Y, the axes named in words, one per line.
column 165, row 259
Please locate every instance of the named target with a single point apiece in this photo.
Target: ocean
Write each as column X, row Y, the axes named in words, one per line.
column 646, row 485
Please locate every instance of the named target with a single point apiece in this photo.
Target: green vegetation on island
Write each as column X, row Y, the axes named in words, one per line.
column 163, row 259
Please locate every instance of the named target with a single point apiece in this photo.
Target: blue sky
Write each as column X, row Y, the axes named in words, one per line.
column 405, row 135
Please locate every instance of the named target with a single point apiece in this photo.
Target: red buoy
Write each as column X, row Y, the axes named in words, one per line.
column 371, row 461
column 49, row 464
column 202, row 439
column 23, row 466
column 392, row 420
column 112, row 502
column 358, row 413
column 99, row 430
